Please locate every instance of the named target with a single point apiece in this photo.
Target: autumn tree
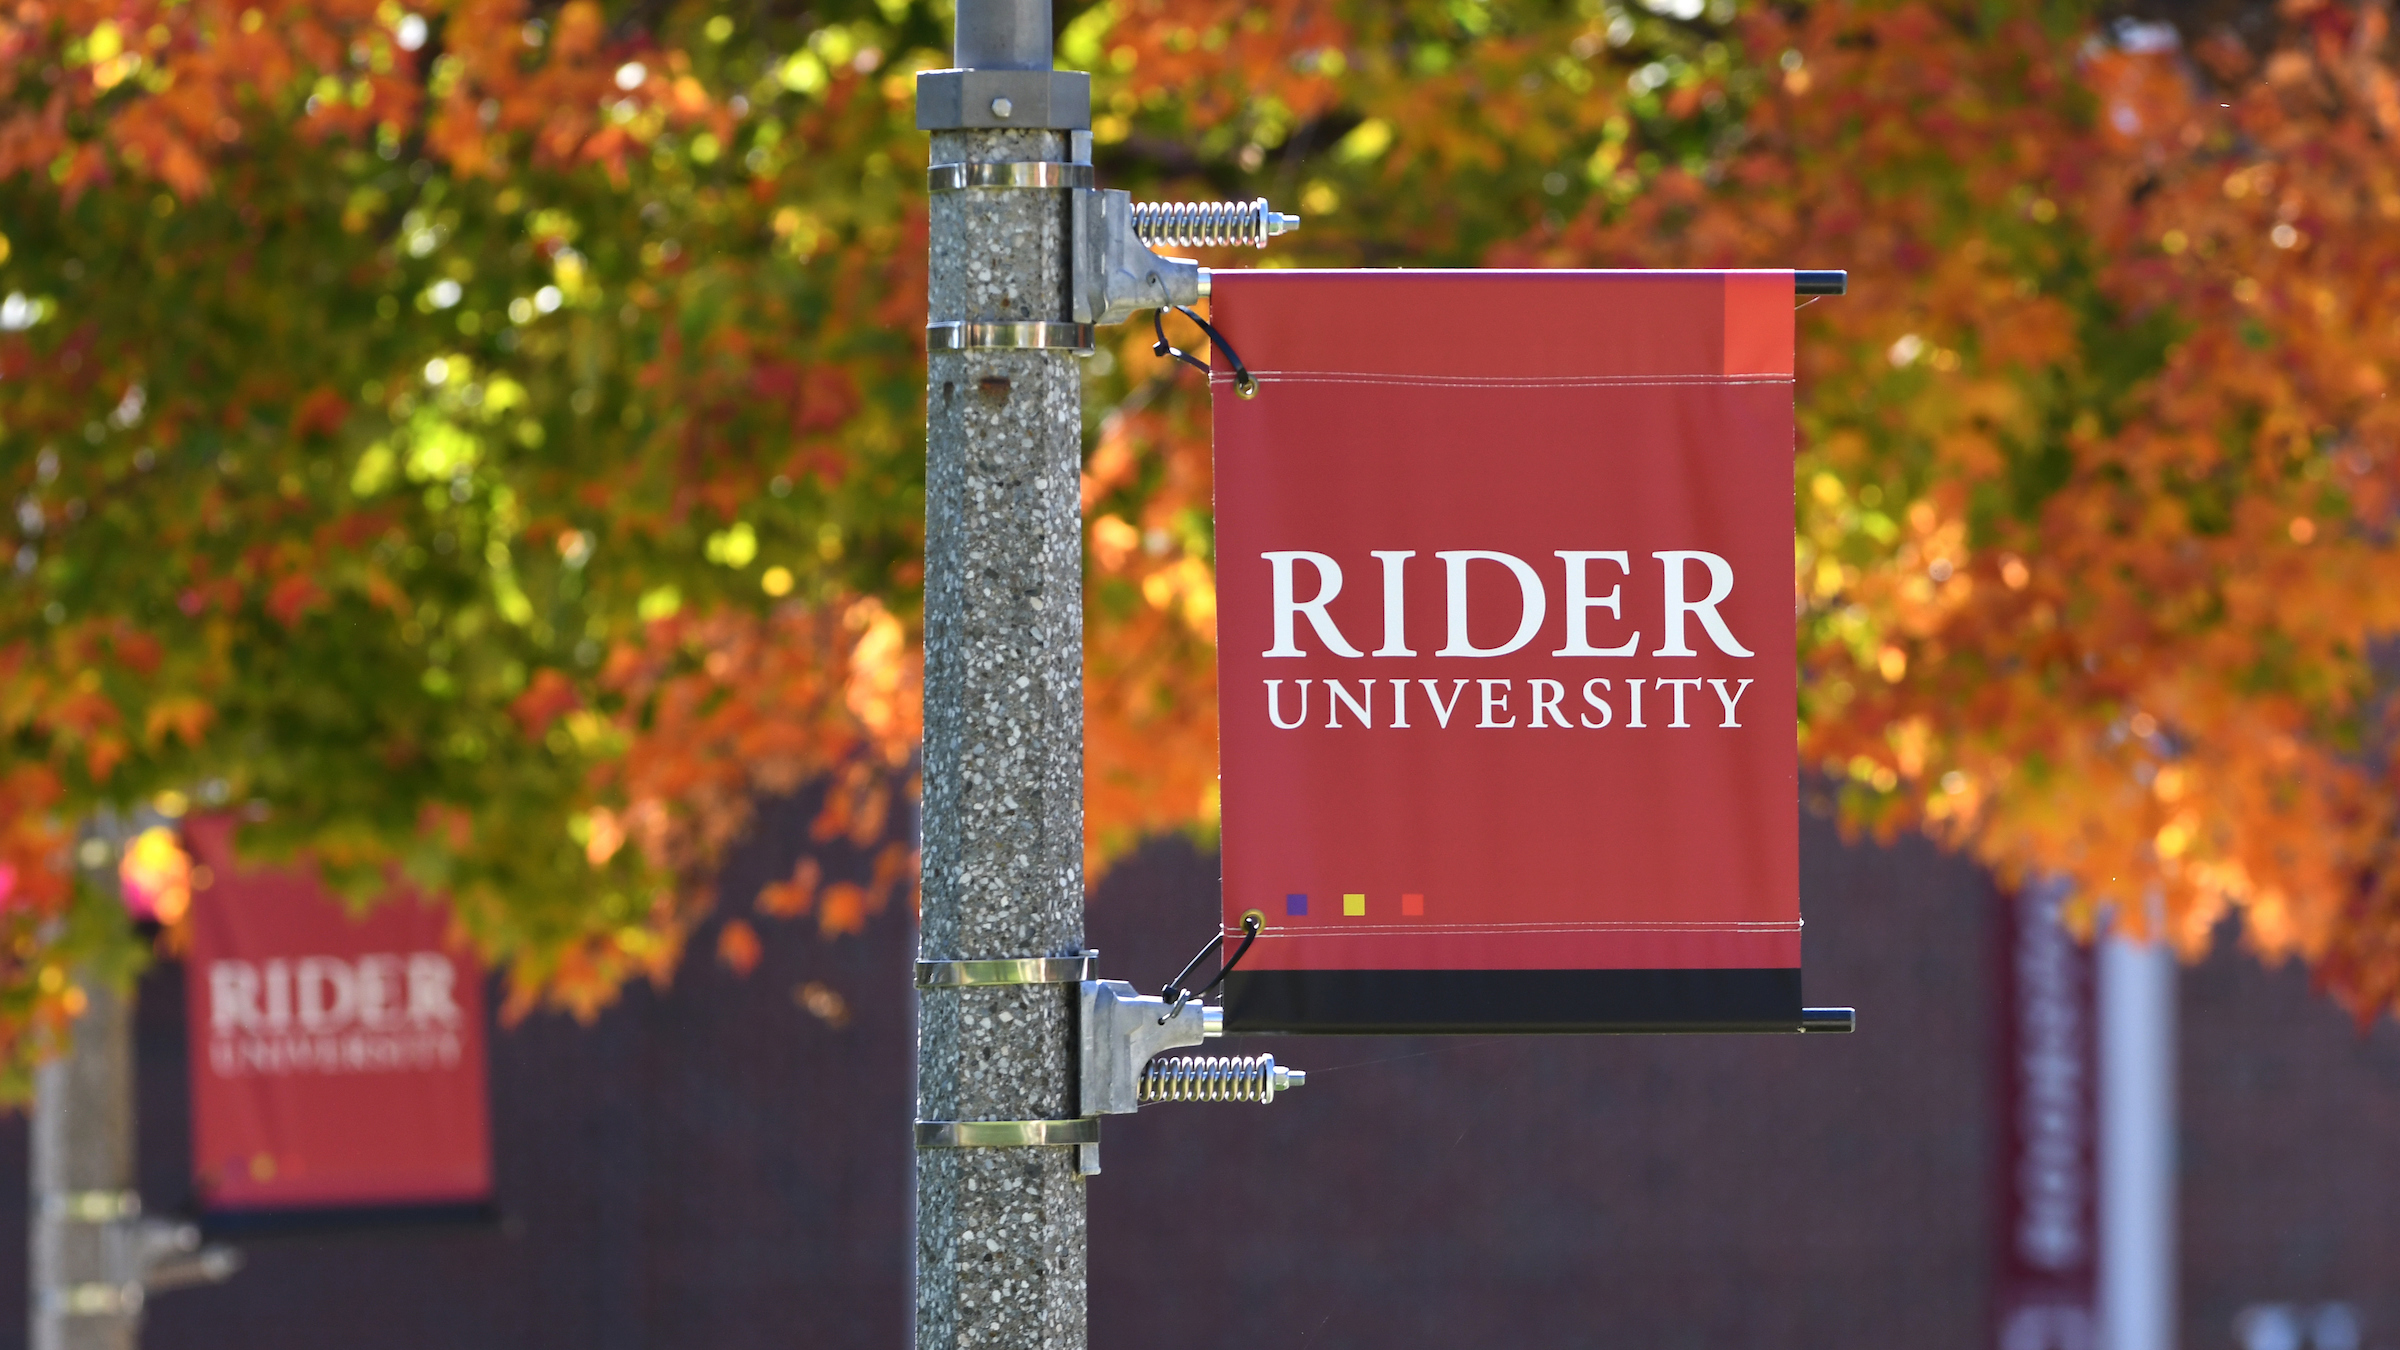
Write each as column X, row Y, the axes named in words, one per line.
column 479, row 443
column 485, row 439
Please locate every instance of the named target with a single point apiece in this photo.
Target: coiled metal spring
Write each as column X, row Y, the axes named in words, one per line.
column 1217, row 1079
column 1210, row 224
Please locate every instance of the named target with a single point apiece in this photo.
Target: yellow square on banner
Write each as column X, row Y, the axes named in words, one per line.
column 1354, row 905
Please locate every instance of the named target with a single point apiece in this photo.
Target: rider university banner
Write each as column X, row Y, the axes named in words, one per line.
column 1506, row 650
column 336, row 1062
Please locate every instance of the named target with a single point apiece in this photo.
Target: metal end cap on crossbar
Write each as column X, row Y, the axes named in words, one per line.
column 1835, row 1021
column 1031, row 173
column 1003, row 336
column 1007, row 1133
column 1008, row 970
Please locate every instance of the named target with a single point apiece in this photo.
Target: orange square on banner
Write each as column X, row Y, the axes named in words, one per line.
column 1412, row 904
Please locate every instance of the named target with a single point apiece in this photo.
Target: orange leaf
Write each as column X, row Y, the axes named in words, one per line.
column 545, row 699
column 791, row 899
column 844, row 909
column 738, row 946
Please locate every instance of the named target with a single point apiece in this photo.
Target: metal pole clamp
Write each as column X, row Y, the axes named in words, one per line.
column 1007, row 1133
column 1008, row 970
column 1028, row 173
column 91, row 1206
column 1020, row 335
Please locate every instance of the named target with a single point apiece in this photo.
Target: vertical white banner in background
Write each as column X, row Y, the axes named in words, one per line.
column 2137, row 1145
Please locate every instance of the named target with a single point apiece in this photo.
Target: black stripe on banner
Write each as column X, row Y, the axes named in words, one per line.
column 1419, row 1002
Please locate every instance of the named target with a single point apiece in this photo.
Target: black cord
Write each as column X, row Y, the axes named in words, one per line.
column 1244, row 383
column 1175, row 986
column 1177, row 995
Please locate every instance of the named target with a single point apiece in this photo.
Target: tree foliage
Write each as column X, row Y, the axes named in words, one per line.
column 486, row 439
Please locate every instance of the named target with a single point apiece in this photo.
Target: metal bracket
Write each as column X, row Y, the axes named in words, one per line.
column 173, row 1256
column 1113, row 272
column 1007, row 970
column 1120, row 1032
column 1082, row 1133
column 1116, row 274
column 1117, row 1034
column 141, row 1256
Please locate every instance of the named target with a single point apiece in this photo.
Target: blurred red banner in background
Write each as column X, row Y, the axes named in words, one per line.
column 336, row 1061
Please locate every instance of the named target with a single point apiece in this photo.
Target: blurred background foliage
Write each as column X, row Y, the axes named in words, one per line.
column 482, row 442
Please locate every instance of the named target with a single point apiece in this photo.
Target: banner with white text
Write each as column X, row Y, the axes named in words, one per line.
column 1506, row 653
column 336, row 1061
column 2046, row 1280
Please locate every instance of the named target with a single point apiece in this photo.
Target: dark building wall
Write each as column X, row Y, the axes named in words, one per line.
column 2289, row 1157
column 714, row 1166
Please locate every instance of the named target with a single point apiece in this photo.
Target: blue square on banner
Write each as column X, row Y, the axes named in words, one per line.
column 1295, row 904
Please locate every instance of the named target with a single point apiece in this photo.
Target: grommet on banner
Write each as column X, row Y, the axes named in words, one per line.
column 1244, row 383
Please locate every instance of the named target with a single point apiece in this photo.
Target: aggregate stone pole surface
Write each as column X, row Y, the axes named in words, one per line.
column 1000, row 1231
column 83, row 1151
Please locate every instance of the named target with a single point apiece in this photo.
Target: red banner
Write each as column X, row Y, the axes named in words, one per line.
column 335, row 1061
column 1506, row 655
column 2046, row 1294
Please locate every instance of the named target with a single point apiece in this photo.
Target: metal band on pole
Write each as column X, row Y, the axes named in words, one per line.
column 1031, row 173
column 92, row 1206
column 1008, row 970
column 1008, row 1133
column 955, row 336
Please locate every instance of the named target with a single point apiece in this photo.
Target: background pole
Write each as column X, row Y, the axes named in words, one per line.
column 83, row 1162
column 1000, row 1231
column 85, row 1293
